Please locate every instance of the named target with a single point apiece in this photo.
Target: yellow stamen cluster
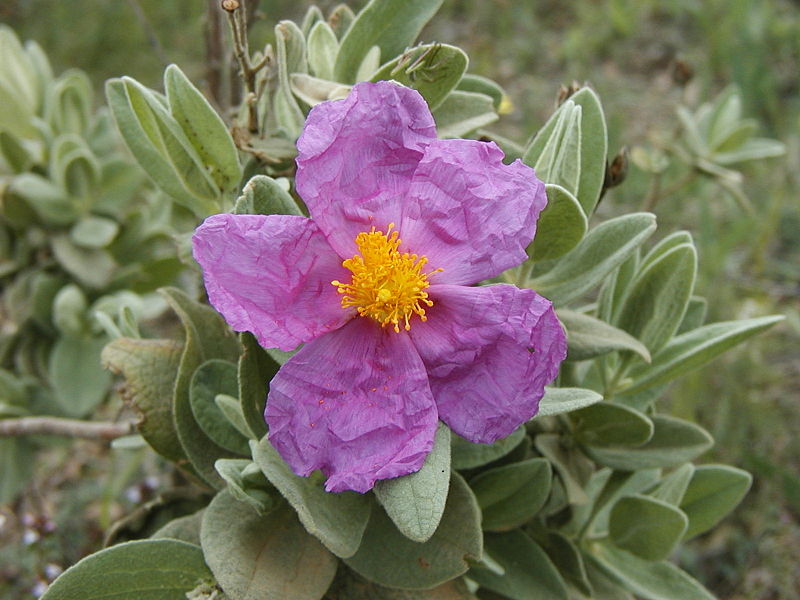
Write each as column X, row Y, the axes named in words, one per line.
column 387, row 285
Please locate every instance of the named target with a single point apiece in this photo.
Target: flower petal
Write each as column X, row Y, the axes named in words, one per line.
column 271, row 275
column 356, row 404
column 356, row 157
column 489, row 352
column 469, row 213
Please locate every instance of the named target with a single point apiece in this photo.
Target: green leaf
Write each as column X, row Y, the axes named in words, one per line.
column 753, row 149
column 370, row 64
column 337, row 519
column 713, row 492
column 674, row 442
column 672, row 487
column 94, row 232
column 588, row 337
column 650, row 580
column 145, row 569
column 256, row 370
column 49, row 202
column 263, row 557
column 695, row 314
column 389, row 558
column 78, row 379
column 184, row 529
column 392, row 25
column 232, row 409
column 14, row 153
column 561, row 225
column 693, row 349
column 350, row 586
column 415, row 502
column 263, row 195
column 290, row 55
column 594, row 148
column 607, row 424
column 602, row 250
column 529, row 572
column 655, row 305
column 433, row 70
column 560, row 157
column 204, row 128
column 139, row 129
column 246, row 483
column 603, row 587
column 557, row 401
column 211, row 378
column 69, row 310
column 568, row 560
column 565, row 460
column 313, row 90
column 483, row 85
column 340, row 19
column 512, row 494
column 468, row 455
column 91, row 267
column 207, row 336
column 322, row 49
column 463, row 112
column 608, row 487
column 647, row 527
column 150, row 368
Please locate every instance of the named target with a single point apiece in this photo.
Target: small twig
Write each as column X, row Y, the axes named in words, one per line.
column 237, row 17
column 91, row 430
column 659, row 193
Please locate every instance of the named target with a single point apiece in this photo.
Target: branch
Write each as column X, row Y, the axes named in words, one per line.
column 91, row 430
column 237, row 16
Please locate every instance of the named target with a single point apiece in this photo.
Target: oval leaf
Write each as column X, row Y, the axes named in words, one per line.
column 389, row 558
column 433, row 70
column 674, row 442
column 337, row 519
column 269, row 557
column 145, row 570
column 607, row 424
column 713, row 492
column 416, row 502
column 561, row 225
column 647, row 527
column 211, row 378
column 391, row 25
column 588, row 337
column 529, row 573
column 602, row 250
column 557, row 401
column 512, row 494
column 468, row 455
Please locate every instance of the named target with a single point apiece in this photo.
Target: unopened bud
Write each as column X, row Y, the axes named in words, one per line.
column 682, row 72
column 565, row 91
column 617, row 170
column 230, row 5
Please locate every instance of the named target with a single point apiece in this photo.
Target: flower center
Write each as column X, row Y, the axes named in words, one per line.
column 387, row 285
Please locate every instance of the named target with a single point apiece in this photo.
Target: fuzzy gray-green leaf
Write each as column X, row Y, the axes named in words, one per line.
column 415, row 502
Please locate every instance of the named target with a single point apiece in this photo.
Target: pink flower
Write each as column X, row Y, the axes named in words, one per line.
column 377, row 285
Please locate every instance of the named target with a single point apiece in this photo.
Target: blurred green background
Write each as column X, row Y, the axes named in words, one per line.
column 628, row 51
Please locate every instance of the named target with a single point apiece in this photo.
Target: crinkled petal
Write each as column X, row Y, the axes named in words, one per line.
column 356, row 157
column 489, row 352
column 469, row 213
column 355, row 404
column 271, row 275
